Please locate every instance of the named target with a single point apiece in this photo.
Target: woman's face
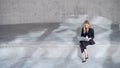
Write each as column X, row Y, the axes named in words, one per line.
column 86, row 25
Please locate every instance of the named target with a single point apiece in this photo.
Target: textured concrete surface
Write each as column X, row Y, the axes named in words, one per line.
column 46, row 11
column 45, row 33
column 56, row 45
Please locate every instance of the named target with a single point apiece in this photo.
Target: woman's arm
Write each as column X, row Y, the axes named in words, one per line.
column 82, row 33
column 92, row 33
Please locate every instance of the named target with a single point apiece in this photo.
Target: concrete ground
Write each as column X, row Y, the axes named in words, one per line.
column 56, row 45
column 45, row 33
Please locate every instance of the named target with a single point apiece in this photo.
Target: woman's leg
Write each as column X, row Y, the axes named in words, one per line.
column 83, row 55
column 86, row 54
column 83, row 50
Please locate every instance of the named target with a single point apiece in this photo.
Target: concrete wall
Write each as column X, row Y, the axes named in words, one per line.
column 42, row 11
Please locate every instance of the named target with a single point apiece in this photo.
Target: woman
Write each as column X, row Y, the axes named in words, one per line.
column 88, row 33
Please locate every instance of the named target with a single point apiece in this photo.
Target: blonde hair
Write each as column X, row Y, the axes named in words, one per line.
column 84, row 28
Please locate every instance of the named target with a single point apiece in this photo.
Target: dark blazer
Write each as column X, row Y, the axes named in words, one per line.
column 90, row 34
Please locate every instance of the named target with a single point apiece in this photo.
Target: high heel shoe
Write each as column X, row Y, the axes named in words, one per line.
column 83, row 61
column 86, row 58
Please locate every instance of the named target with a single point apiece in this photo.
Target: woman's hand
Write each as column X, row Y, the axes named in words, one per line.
column 89, row 39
